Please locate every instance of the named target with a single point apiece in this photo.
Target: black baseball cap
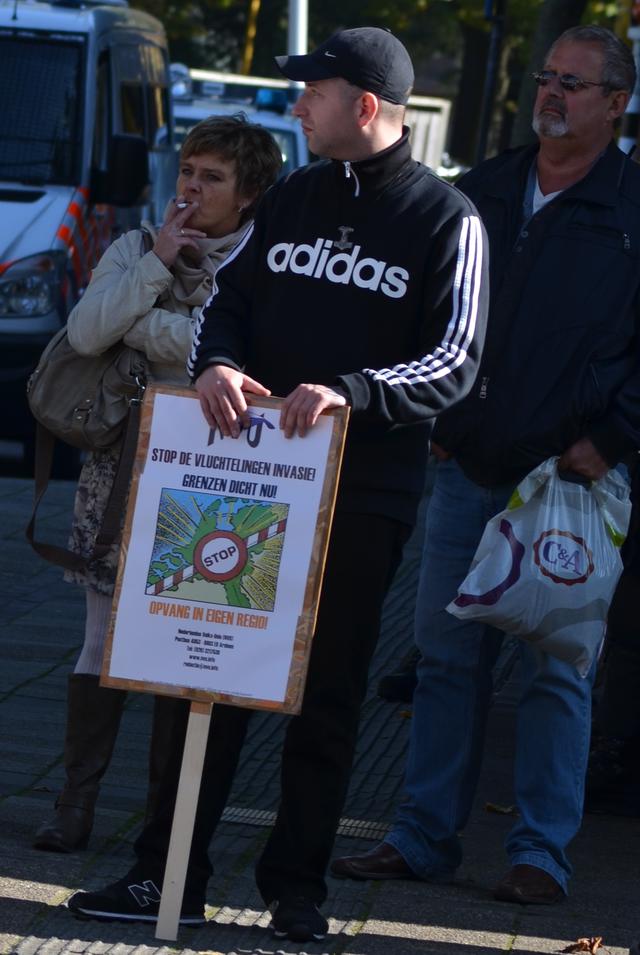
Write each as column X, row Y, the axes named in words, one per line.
column 368, row 57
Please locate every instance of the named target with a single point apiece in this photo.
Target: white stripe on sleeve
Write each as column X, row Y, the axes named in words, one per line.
column 452, row 352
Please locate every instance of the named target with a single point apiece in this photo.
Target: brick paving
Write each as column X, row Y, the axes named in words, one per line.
column 41, row 633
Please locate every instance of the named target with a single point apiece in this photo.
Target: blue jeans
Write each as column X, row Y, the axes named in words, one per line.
column 452, row 700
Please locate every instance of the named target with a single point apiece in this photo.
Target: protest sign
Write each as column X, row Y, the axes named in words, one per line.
column 219, row 576
column 223, row 551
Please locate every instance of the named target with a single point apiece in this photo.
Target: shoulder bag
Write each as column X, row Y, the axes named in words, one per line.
column 89, row 402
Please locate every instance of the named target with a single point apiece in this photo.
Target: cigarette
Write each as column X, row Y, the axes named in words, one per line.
column 182, row 205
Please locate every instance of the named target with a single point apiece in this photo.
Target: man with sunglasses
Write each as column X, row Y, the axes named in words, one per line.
column 559, row 376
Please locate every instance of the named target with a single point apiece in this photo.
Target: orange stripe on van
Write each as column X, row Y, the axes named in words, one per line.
column 78, row 214
column 65, row 234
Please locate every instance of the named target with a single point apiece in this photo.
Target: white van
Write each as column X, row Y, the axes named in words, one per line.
column 85, row 127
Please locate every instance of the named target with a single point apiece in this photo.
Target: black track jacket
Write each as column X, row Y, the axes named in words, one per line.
column 368, row 277
column 562, row 355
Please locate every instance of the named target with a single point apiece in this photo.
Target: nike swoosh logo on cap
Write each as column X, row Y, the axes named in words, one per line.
column 332, row 55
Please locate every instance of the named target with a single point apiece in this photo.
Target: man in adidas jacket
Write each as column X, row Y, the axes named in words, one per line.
column 363, row 282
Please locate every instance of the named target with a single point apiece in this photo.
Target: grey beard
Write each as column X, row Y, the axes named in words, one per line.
column 551, row 126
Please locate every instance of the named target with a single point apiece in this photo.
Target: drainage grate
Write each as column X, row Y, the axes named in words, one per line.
column 249, row 817
column 355, row 828
column 363, row 829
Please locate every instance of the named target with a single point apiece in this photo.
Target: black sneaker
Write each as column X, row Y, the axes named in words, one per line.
column 127, row 901
column 298, row 919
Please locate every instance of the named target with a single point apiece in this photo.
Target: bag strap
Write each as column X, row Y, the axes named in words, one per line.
column 110, row 527
column 44, row 445
column 111, row 521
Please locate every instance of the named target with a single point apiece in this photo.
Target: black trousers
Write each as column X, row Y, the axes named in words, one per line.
column 364, row 553
column 618, row 712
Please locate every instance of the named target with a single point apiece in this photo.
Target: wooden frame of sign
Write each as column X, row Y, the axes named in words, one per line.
column 179, row 515
column 184, row 555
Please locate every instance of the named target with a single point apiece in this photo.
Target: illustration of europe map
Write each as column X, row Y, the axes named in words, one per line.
column 217, row 549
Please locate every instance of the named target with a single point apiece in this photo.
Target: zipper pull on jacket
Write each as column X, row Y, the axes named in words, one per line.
column 350, row 173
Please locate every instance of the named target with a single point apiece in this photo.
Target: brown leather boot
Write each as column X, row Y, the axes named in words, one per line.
column 93, row 719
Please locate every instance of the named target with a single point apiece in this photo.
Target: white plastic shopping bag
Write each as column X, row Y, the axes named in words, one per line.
column 546, row 567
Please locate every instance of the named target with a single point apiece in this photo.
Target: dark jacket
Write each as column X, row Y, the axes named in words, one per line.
column 367, row 277
column 561, row 358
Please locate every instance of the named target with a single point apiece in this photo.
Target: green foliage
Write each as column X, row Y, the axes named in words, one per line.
column 208, row 33
column 438, row 33
column 212, row 32
column 604, row 12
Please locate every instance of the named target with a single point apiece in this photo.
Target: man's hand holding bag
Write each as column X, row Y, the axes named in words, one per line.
column 547, row 566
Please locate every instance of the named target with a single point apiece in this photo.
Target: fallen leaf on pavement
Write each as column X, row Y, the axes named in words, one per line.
column 589, row 945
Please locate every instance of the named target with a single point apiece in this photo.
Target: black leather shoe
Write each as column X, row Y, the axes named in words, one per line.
column 383, row 862
column 528, row 885
column 398, row 687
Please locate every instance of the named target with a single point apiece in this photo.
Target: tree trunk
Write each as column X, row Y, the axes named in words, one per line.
column 498, row 137
column 468, row 102
column 555, row 17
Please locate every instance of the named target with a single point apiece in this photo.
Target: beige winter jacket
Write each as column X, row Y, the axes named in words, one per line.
column 120, row 303
column 133, row 297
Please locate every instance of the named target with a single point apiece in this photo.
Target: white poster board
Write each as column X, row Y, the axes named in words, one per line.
column 223, row 552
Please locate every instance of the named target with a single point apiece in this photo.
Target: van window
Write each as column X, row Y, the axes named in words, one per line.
column 41, row 83
column 157, row 113
column 143, row 92
column 130, row 90
column 103, row 116
column 155, row 63
column 132, row 108
column 289, row 149
column 157, row 96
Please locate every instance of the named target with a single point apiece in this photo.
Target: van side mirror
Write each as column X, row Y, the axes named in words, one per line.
column 127, row 176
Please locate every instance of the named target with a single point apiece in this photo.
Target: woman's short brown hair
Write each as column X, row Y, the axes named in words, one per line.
column 257, row 156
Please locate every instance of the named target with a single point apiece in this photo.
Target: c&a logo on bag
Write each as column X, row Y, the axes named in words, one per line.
column 563, row 557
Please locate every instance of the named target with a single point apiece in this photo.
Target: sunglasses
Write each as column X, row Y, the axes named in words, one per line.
column 566, row 80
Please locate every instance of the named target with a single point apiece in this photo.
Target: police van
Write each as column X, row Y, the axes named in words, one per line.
column 86, row 151
column 197, row 94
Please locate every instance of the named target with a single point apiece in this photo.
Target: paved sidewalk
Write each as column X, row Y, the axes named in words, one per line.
column 40, row 637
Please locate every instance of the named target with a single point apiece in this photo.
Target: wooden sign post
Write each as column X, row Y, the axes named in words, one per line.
column 175, row 872
column 220, row 572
